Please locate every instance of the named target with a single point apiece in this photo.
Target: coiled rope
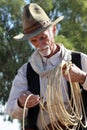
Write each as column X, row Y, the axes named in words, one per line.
column 55, row 106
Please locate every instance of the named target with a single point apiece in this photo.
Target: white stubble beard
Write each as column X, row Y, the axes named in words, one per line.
column 45, row 52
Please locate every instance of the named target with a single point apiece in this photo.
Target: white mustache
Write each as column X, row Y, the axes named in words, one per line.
column 45, row 47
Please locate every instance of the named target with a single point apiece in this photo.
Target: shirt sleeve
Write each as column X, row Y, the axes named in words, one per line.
column 84, row 68
column 19, row 85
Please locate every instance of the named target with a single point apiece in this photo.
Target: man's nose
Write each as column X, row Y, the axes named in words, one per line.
column 40, row 43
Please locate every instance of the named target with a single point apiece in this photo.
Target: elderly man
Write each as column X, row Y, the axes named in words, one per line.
column 32, row 78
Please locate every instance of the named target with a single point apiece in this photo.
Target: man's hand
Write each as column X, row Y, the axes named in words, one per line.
column 32, row 101
column 76, row 74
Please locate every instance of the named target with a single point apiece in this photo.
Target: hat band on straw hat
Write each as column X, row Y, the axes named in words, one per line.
column 37, row 25
column 33, row 28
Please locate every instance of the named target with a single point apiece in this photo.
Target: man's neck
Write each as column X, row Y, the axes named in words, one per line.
column 55, row 50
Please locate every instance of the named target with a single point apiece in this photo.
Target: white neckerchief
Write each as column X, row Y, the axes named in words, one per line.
column 38, row 62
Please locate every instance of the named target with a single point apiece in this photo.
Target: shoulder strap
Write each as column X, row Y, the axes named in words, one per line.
column 34, row 87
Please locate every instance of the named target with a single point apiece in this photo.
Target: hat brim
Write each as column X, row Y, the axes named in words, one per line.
column 23, row 37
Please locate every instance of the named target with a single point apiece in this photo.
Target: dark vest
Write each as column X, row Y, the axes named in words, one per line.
column 76, row 59
column 34, row 87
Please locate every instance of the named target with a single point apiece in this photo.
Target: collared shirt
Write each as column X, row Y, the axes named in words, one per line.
column 41, row 66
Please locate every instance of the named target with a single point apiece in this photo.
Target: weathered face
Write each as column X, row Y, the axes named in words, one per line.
column 44, row 42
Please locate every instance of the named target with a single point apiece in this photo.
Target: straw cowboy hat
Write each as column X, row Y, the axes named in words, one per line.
column 35, row 21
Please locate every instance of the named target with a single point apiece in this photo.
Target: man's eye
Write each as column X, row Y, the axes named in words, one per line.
column 33, row 41
column 43, row 37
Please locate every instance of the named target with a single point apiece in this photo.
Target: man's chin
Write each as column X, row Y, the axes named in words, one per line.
column 44, row 54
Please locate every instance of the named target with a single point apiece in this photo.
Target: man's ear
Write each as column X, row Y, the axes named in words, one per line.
column 54, row 29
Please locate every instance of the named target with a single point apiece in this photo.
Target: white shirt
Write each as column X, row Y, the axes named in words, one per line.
column 41, row 66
